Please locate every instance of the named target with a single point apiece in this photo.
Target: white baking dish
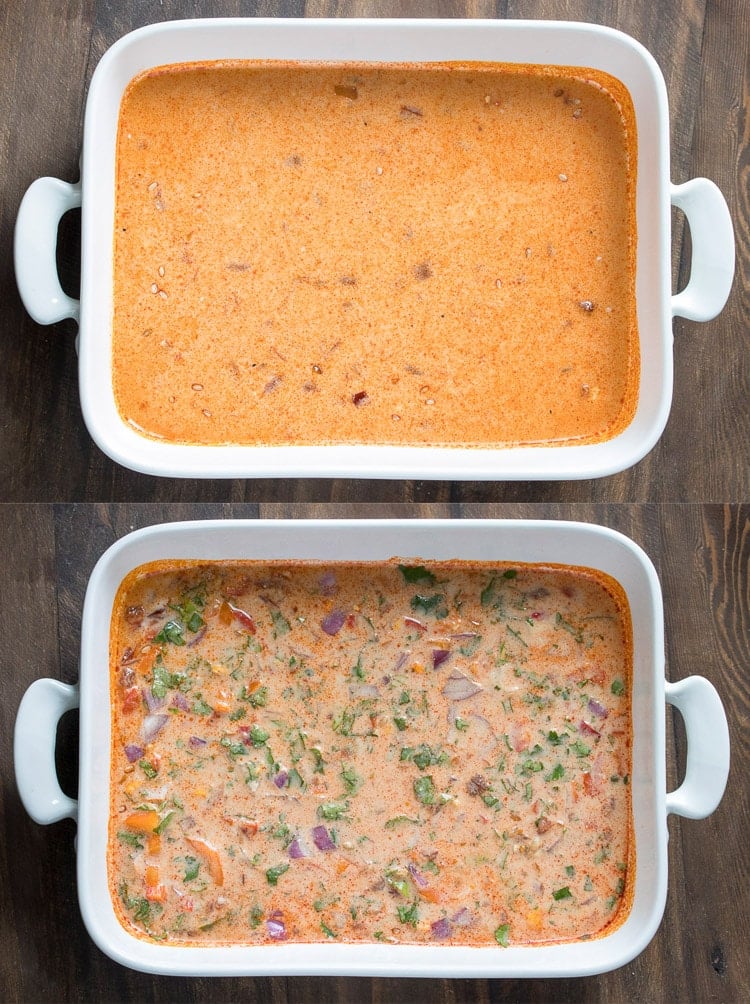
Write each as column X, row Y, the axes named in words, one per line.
column 364, row 540
column 377, row 40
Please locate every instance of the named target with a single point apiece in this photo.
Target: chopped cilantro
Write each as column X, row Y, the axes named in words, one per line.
column 232, row 748
column 192, row 867
column 333, row 810
column 273, row 874
column 424, row 789
column 352, row 780
column 257, row 735
column 434, row 604
column 563, row 893
column 395, row 821
column 409, row 914
column 281, row 625
column 320, row 763
column 171, row 634
column 470, row 646
column 163, row 680
column 148, row 769
column 575, row 632
column 617, row 688
column 501, row 935
column 417, row 573
column 344, row 723
column 423, row 756
column 200, row 707
column 257, row 698
column 164, row 823
column 133, row 839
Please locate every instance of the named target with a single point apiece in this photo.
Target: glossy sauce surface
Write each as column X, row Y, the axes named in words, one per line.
column 389, row 752
column 395, row 254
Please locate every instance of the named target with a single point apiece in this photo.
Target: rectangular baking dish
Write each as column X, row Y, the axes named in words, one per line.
column 368, row 540
column 376, row 40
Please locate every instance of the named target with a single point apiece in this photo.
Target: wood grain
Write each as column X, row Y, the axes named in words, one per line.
column 49, row 51
column 700, row 951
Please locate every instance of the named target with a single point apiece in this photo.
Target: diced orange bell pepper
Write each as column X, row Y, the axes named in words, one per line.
column 155, row 892
column 430, row 893
column 222, row 703
column 143, row 822
column 153, row 844
column 211, row 856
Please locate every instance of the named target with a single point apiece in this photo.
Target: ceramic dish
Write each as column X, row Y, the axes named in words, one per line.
column 557, row 43
column 365, row 540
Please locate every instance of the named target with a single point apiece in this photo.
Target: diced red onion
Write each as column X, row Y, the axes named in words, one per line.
column 419, row 879
column 181, row 702
column 597, row 709
column 484, row 725
column 198, row 636
column 459, row 687
column 196, row 743
column 127, row 677
column 441, row 928
column 327, row 584
column 588, row 729
column 152, row 703
column 322, row 839
column 413, row 622
column 439, row 655
column 364, row 690
column 333, row 622
column 281, row 778
column 298, row 850
column 275, row 926
column 152, row 726
column 465, row 635
column 133, row 752
column 401, row 662
column 463, row 918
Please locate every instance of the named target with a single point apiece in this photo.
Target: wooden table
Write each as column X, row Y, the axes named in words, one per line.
column 687, row 504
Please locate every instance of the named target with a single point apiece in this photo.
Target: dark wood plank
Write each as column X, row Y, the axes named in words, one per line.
column 699, row 953
column 48, row 54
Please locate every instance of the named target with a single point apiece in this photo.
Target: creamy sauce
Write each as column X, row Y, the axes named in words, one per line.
column 397, row 254
column 358, row 752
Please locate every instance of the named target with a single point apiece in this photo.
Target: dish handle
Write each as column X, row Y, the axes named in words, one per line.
column 41, row 708
column 35, row 241
column 707, row 747
column 712, row 264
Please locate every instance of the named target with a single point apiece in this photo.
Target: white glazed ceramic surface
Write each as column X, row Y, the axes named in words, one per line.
column 377, row 40
column 331, row 540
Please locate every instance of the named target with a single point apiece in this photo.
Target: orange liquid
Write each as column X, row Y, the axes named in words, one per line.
column 396, row 254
